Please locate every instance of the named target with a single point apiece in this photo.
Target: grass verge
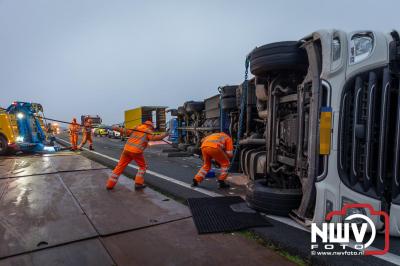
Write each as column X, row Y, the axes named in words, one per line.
column 293, row 258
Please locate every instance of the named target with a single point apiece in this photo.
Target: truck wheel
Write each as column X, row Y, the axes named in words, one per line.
column 181, row 110
column 228, row 103
column 174, row 112
column 274, row 201
column 278, row 56
column 3, row 145
column 194, row 107
column 228, row 91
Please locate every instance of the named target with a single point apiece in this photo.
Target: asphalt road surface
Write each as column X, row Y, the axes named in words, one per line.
column 173, row 175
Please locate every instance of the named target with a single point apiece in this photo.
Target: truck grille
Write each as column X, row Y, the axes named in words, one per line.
column 369, row 134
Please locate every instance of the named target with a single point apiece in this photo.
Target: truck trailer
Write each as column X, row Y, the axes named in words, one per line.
column 196, row 119
column 139, row 115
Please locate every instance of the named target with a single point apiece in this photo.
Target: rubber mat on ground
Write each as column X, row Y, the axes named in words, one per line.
column 223, row 214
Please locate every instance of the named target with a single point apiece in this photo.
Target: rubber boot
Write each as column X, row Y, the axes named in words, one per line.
column 139, row 186
column 222, row 184
column 195, row 183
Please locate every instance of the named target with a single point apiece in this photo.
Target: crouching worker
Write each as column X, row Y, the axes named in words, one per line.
column 133, row 150
column 73, row 134
column 217, row 146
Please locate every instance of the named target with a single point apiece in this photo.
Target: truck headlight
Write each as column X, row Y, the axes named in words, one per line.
column 361, row 45
column 19, row 139
column 20, row 115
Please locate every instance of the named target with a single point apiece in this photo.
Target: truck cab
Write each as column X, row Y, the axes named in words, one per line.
column 331, row 106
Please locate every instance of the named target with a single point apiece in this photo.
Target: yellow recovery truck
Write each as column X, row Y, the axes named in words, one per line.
column 8, row 132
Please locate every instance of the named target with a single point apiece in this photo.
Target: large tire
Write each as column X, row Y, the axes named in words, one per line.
column 181, row 110
column 228, row 103
column 228, row 91
column 174, row 112
column 272, row 200
column 278, row 56
column 3, row 145
column 194, row 107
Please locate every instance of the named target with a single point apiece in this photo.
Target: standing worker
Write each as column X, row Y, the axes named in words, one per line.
column 133, row 150
column 73, row 134
column 217, row 146
column 87, row 134
column 50, row 135
column 49, row 129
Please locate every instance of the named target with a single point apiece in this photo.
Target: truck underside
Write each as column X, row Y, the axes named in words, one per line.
column 276, row 125
column 288, row 99
column 273, row 135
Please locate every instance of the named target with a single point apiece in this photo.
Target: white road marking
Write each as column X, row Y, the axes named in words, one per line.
column 390, row 257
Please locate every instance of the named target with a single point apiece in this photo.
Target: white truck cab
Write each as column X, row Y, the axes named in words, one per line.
column 332, row 129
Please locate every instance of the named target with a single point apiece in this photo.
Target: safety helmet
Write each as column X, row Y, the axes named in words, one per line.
column 149, row 123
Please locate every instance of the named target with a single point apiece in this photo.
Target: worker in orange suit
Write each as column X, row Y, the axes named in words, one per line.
column 73, row 134
column 133, row 150
column 87, row 134
column 217, row 146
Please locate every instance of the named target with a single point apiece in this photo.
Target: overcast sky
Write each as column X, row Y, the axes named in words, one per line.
column 103, row 57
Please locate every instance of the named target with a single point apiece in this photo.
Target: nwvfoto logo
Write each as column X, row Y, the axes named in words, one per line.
column 339, row 233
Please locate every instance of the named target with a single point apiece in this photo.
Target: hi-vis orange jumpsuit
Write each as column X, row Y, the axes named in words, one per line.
column 133, row 150
column 217, row 146
column 87, row 134
column 73, row 134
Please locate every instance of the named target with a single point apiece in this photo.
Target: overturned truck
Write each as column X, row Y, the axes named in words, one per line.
column 332, row 126
column 318, row 127
column 196, row 119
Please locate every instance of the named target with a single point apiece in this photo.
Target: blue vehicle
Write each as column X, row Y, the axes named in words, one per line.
column 30, row 136
column 173, row 130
